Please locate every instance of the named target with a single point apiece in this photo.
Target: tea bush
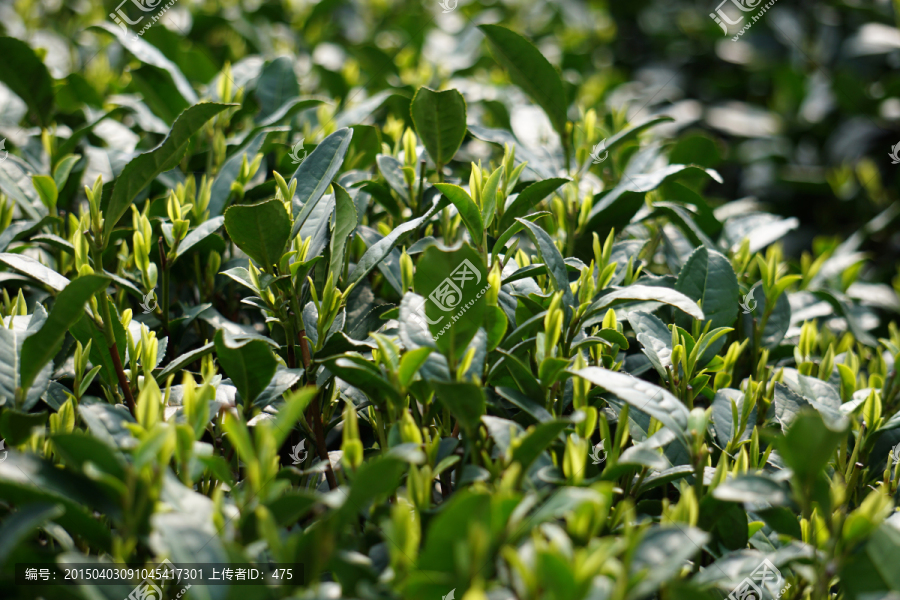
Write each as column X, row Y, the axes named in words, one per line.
column 389, row 295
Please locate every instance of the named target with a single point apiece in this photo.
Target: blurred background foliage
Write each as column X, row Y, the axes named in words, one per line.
column 799, row 114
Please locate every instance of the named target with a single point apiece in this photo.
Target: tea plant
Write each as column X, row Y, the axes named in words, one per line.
column 387, row 340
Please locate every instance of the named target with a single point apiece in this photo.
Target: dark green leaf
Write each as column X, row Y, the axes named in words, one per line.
column 79, row 448
column 661, row 554
column 465, row 401
column 709, row 279
column 529, row 70
column 67, row 310
column 149, row 54
column 25, row 480
column 26, row 75
column 345, row 220
column 633, row 130
column 315, row 173
column 651, row 399
column 19, row 525
column 277, row 84
column 528, row 198
column 378, row 251
column 440, row 121
column 198, row 234
column 644, row 293
column 16, row 426
column 808, row 445
column 221, row 187
column 392, row 171
column 752, row 488
column 143, row 169
column 35, row 270
column 549, row 254
column 249, row 364
column 454, row 284
column 537, row 440
column 261, row 230
column 467, row 208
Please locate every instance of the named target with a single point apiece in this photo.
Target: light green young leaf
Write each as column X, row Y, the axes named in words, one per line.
column 46, row 189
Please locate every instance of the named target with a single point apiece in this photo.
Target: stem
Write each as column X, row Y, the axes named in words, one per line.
column 637, row 486
column 319, row 431
column 698, row 475
column 110, row 336
column 165, row 286
column 421, row 189
column 446, row 486
column 314, row 416
column 572, row 218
